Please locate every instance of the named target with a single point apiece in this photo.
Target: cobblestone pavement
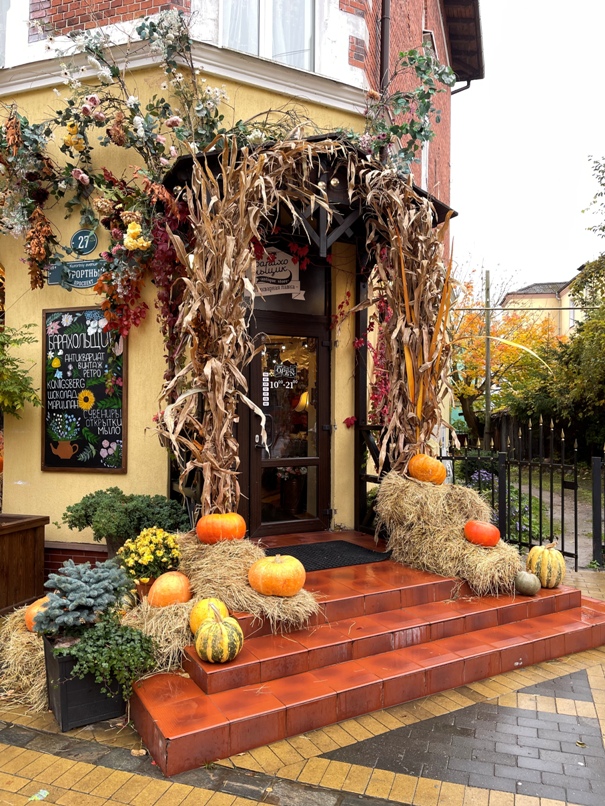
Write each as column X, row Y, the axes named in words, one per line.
column 532, row 737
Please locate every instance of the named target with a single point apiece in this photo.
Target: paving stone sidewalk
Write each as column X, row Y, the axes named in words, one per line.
column 532, row 737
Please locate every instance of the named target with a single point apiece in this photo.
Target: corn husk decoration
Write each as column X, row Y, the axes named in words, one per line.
column 228, row 209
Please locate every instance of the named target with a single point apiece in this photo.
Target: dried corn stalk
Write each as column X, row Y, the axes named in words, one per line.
column 410, row 276
column 231, row 206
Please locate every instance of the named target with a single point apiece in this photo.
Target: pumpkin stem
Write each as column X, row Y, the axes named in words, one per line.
column 217, row 615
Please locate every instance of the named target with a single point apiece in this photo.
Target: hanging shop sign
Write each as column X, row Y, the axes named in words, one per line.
column 84, row 393
column 277, row 273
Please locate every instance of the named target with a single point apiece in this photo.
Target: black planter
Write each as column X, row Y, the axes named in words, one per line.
column 76, row 702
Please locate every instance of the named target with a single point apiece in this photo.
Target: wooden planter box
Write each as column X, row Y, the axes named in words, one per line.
column 76, row 702
column 21, row 559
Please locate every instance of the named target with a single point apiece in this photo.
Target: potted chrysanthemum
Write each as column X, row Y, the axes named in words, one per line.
column 149, row 555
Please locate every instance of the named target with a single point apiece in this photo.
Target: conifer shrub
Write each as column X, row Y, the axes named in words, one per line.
column 79, row 595
column 117, row 517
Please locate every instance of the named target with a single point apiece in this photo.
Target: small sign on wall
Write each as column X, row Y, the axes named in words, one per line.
column 84, row 393
column 76, row 273
column 277, row 273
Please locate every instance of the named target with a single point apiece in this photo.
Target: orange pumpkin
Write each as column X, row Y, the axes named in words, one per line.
column 425, row 468
column 481, row 533
column 169, row 588
column 220, row 526
column 281, row 575
column 31, row 611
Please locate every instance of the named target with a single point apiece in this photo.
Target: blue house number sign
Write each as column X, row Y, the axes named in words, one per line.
column 84, row 241
column 78, row 273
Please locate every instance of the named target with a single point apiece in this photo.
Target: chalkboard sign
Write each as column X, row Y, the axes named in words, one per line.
column 83, row 392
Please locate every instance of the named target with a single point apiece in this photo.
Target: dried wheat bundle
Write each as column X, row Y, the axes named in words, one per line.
column 425, row 528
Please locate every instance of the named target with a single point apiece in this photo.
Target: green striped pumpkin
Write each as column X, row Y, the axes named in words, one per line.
column 218, row 639
column 547, row 564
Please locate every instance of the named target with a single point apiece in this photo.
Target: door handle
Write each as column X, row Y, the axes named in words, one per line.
column 257, row 440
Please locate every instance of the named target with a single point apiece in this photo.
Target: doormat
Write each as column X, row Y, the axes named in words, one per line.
column 331, row 554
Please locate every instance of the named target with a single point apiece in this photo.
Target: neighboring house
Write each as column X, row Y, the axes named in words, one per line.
column 547, row 300
column 323, row 55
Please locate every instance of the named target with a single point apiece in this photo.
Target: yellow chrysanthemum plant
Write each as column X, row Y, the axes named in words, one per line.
column 149, row 555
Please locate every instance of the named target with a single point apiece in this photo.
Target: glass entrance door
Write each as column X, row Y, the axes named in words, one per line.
column 289, row 478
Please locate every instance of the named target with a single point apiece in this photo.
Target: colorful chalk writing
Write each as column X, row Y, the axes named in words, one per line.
column 83, row 393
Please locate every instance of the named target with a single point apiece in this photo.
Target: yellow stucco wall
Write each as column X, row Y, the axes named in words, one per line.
column 343, row 389
column 27, row 489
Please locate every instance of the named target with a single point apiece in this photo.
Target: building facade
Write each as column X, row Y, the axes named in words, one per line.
column 547, row 300
column 321, row 57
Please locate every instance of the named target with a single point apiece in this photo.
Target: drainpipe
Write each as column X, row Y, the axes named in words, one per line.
column 385, row 44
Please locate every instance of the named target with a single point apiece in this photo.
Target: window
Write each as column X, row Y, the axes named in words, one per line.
column 281, row 30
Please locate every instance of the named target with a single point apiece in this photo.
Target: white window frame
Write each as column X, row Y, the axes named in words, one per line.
column 265, row 33
column 424, row 165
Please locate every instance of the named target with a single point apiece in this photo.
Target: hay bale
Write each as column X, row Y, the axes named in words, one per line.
column 169, row 628
column 221, row 570
column 425, row 528
column 22, row 669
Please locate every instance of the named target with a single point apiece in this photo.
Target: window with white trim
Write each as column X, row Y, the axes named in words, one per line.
column 281, row 30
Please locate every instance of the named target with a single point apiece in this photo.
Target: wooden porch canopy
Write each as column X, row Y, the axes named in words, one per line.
column 331, row 175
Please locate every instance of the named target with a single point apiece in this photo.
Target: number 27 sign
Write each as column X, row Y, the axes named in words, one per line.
column 84, row 241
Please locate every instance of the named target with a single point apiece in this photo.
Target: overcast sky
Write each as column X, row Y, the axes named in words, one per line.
column 522, row 137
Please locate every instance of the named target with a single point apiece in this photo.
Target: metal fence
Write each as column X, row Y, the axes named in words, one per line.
column 598, row 508
column 532, row 486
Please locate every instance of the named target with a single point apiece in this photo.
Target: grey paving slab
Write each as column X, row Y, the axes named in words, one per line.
column 574, row 686
column 498, row 748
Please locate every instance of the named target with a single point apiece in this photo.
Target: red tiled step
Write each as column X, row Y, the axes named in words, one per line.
column 185, row 728
column 268, row 657
column 364, row 589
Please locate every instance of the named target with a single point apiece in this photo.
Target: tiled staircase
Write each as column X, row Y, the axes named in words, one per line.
column 387, row 634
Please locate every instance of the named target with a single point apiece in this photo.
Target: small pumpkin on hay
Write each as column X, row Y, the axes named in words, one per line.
column 173, row 587
column 481, row 533
column 281, row 575
column 32, row 609
column 219, row 526
column 424, row 468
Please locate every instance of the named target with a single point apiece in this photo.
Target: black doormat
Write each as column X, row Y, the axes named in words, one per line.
column 331, row 554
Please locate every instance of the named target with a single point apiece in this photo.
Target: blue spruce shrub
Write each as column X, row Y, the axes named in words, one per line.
column 79, row 595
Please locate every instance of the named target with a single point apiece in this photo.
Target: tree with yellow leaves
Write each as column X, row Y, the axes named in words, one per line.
column 516, row 336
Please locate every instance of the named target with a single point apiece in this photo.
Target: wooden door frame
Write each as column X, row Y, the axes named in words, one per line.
column 288, row 324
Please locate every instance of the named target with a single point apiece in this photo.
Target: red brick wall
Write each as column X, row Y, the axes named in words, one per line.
column 357, row 7
column 55, row 555
column 408, row 20
column 63, row 17
column 357, row 52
